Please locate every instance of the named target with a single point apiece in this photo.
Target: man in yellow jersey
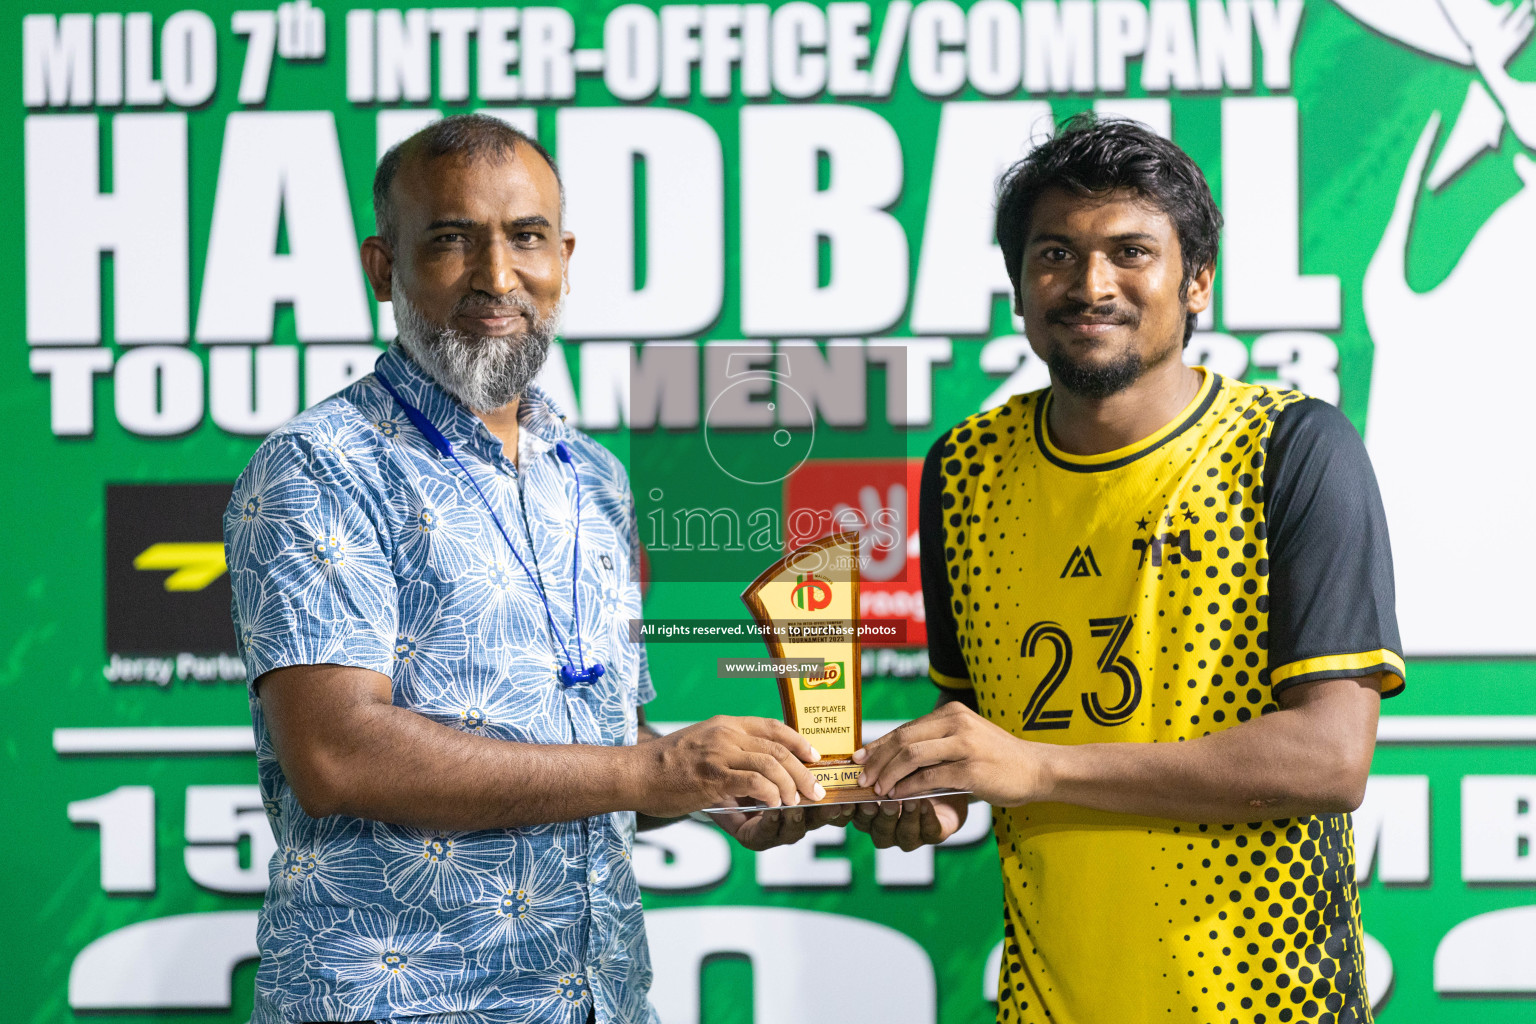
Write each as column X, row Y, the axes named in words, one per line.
column 1160, row 609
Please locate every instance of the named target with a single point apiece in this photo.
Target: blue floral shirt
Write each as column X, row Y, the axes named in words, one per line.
column 351, row 541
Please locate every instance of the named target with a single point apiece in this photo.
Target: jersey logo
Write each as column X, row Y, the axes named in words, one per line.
column 1157, row 544
column 1080, row 563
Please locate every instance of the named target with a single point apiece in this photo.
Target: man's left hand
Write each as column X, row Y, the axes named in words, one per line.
column 955, row 748
column 914, row 823
column 762, row 830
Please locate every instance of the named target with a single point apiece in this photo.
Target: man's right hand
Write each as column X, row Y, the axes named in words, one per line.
column 714, row 762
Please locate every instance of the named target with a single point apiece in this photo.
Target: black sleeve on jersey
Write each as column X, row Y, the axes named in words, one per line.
column 944, row 657
column 1332, row 604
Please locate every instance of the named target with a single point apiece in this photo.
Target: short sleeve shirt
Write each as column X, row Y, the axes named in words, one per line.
column 1157, row 594
column 352, row 540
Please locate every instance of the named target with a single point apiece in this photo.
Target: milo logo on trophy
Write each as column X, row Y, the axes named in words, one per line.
column 831, row 678
column 808, row 604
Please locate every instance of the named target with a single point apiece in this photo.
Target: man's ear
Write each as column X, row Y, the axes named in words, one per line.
column 1200, row 289
column 378, row 263
column 567, row 246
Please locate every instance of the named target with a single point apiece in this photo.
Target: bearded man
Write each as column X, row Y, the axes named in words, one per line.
column 433, row 580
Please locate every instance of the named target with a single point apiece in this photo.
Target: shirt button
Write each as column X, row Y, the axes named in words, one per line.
column 591, row 877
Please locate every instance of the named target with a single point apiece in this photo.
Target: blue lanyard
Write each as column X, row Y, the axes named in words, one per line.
column 570, row 674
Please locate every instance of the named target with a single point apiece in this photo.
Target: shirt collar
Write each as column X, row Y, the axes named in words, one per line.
column 538, row 416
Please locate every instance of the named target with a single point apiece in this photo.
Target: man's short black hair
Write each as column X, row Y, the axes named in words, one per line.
column 1093, row 156
column 473, row 136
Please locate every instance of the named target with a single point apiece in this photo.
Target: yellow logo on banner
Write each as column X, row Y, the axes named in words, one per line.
column 196, row 564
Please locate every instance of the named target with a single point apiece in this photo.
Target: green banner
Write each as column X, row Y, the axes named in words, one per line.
column 783, row 214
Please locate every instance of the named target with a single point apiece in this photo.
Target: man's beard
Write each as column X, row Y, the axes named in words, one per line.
column 485, row 373
column 1097, row 380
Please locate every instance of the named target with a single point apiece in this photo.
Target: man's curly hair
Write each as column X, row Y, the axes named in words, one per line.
column 1093, row 156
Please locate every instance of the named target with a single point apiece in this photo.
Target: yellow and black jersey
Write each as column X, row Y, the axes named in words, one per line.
column 1155, row 594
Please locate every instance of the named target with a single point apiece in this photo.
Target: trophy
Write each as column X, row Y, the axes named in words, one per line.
column 807, row 606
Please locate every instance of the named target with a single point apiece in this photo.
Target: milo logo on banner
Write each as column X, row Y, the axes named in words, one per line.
column 810, row 594
column 833, row 677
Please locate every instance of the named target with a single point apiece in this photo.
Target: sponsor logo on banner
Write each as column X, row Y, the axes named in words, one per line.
column 167, row 586
column 878, row 498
